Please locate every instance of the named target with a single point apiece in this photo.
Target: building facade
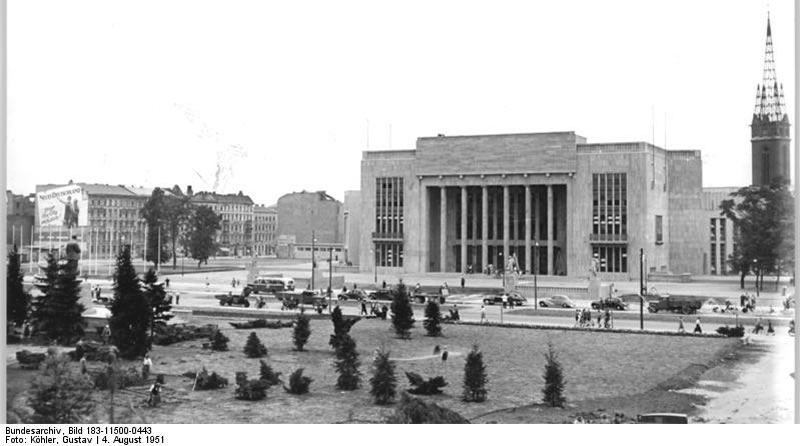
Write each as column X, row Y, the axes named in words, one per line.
column 20, row 219
column 237, row 214
column 264, row 229
column 301, row 214
column 547, row 203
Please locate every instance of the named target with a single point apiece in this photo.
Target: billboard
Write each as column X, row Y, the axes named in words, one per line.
column 65, row 206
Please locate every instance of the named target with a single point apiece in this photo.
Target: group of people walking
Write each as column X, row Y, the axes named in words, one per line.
column 583, row 318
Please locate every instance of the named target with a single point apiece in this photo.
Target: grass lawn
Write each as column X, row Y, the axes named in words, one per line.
column 597, row 366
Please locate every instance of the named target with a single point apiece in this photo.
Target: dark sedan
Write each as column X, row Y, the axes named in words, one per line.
column 352, row 295
column 557, row 301
column 614, row 303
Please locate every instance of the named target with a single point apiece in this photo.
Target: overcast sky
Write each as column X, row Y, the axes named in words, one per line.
column 271, row 98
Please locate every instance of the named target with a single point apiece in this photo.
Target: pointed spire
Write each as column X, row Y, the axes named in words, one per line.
column 769, row 104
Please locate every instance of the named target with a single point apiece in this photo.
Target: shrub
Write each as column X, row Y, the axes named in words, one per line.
column 204, row 381
column 268, row 375
column 249, row 390
column 383, row 381
column 254, row 348
column 347, row 363
column 433, row 319
column 415, row 411
column 420, row 386
column 298, row 384
column 124, row 378
column 59, row 396
column 553, row 390
column 261, row 323
column 402, row 313
column 735, row 332
column 219, row 342
column 302, row 331
column 474, row 377
column 341, row 326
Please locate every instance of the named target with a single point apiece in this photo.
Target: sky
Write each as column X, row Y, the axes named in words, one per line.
column 275, row 97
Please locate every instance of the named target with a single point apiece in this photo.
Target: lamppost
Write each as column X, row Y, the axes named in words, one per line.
column 330, row 276
column 535, row 270
column 502, row 268
column 755, row 270
column 374, row 253
column 313, row 257
column 641, row 288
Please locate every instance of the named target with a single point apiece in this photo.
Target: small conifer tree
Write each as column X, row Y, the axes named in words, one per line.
column 61, row 313
column 131, row 315
column 347, row 364
column 433, row 319
column 298, row 384
column 402, row 313
column 302, row 330
column 271, row 377
column 219, row 342
column 254, row 348
column 59, row 395
column 383, row 383
column 553, row 390
column 341, row 326
column 474, row 377
column 156, row 298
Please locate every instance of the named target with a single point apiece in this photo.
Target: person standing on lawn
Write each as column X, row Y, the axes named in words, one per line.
column 697, row 328
column 483, row 314
column 681, row 329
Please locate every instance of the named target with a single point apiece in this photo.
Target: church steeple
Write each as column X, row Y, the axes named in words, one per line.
column 770, row 127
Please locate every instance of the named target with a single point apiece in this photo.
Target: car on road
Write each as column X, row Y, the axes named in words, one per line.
column 513, row 298
column 682, row 304
column 382, row 294
column 613, row 303
column 271, row 284
column 231, row 299
column 557, row 301
column 352, row 295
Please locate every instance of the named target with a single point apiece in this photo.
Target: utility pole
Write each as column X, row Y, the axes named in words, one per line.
column 313, row 257
column 330, row 277
column 641, row 288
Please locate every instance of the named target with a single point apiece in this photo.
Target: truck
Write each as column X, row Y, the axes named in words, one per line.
column 291, row 299
column 682, row 304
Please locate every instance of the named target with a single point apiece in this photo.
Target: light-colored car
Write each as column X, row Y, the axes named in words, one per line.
column 557, row 301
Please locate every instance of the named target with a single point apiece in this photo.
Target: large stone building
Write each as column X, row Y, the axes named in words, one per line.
column 549, row 201
column 264, row 229
column 237, row 213
column 20, row 218
column 301, row 214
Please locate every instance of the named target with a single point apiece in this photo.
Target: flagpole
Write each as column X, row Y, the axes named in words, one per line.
column 158, row 267
column 13, row 235
column 30, row 260
column 144, row 258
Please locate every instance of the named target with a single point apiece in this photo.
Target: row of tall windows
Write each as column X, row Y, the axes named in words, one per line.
column 611, row 258
column 610, row 205
column 718, row 233
column 389, row 205
column 389, row 254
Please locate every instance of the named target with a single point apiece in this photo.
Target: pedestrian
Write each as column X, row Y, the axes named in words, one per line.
column 384, row 285
column 106, row 334
column 681, row 329
column 697, row 328
column 742, row 299
column 207, row 284
column 606, row 319
column 578, row 314
column 599, row 318
column 147, row 363
column 462, row 283
column 84, row 370
column 770, row 329
column 166, row 282
column 483, row 314
column 363, row 308
column 355, row 286
column 177, row 298
column 611, row 318
column 155, row 394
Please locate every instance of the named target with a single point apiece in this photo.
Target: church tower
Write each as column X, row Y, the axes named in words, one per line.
column 770, row 128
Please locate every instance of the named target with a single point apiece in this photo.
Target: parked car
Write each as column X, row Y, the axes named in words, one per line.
column 513, row 297
column 614, row 303
column 352, row 295
column 382, row 294
column 291, row 299
column 557, row 301
column 233, row 299
column 271, row 284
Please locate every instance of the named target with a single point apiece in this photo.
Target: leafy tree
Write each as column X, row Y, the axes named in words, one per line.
column 298, row 384
column 219, row 342
column 341, row 327
column 763, row 217
column 254, row 348
column 433, row 319
column 177, row 212
column 383, row 382
column 204, row 226
column 131, row 314
column 553, row 390
column 156, row 298
column 271, row 377
column 402, row 313
column 154, row 212
column 302, row 330
column 60, row 396
column 347, row 364
column 61, row 313
column 17, row 300
column 475, row 377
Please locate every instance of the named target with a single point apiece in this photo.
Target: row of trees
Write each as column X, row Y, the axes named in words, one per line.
column 178, row 222
column 763, row 218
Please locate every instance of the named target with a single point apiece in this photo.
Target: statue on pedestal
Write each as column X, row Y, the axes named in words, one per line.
column 73, row 251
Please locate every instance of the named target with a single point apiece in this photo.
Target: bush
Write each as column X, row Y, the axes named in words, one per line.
column 341, row 326
column 204, row 381
column 249, row 390
column 219, row 342
column 268, row 375
column 474, row 377
column 383, row 381
column 124, row 378
column 347, row 363
column 254, row 348
column 553, row 390
column 170, row 334
column 433, row 319
column 735, row 332
column 59, row 396
column 261, row 323
column 298, row 384
column 420, row 386
column 415, row 411
column 302, row 331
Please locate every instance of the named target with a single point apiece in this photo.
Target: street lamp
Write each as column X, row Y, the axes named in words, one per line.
column 755, row 270
column 641, row 288
column 535, row 269
column 330, row 276
column 502, row 268
column 374, row 253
